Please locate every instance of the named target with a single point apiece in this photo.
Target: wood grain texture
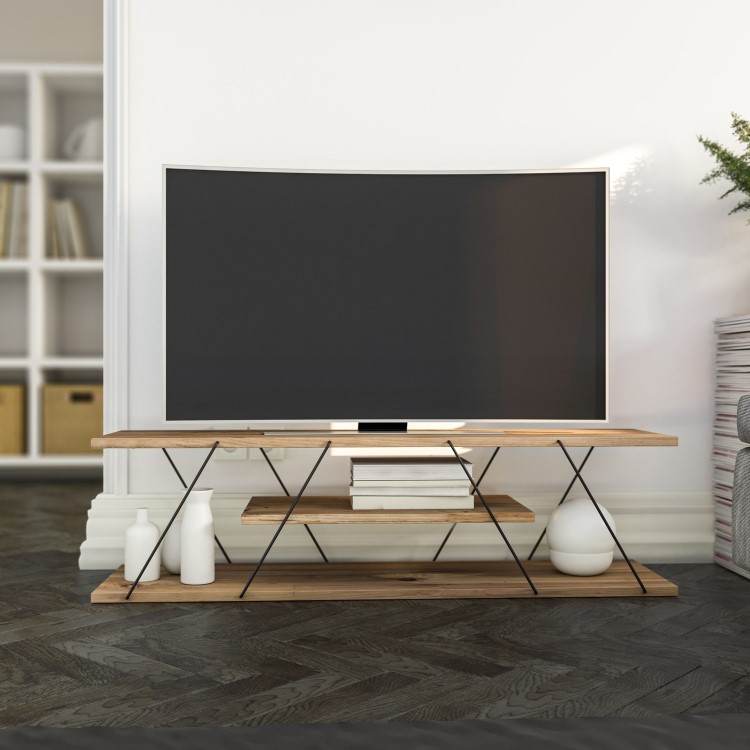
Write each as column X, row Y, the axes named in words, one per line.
column 474, row 438
column 408, row 580
column 338, row 509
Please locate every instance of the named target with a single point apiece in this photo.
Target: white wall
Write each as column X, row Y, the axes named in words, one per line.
column 468, row 84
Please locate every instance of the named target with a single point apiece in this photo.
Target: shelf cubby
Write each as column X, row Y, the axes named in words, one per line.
column 14, row 106
column 71, row 330
column 84, row 188
column 14, row 314
column 11, row 373
column 68, row 100
column 16, row 226
column 14, row 413
column 76, row 373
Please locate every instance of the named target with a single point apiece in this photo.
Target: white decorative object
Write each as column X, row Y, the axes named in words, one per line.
column 86, row 142
column 140, row 538
column 197, row 539
column 579, row 542
column 12, row 140
column 171, row 547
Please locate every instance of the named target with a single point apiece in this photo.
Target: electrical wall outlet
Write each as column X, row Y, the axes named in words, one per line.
column 231, row 454
column 275, row 454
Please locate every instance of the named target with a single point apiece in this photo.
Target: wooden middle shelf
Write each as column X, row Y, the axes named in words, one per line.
column 337, row 509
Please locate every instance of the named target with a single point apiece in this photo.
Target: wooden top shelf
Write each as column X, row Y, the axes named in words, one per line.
column 338, row 509
column 474, row 438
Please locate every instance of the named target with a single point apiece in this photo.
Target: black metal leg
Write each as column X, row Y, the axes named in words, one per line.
column 171, row 520
column 479, row 481
column 275, row 473
column 447, row 537
column 286, row 518
column 494, row 520
column 562, row 500
column 315, row 542
column 286, row 492
column 601, row 515
column 182, row 482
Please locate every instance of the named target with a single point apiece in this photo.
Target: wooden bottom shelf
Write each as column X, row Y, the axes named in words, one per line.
column 479, row 579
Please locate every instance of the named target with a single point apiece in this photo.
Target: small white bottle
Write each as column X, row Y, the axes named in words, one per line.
column 197, row 539
column 140, row 538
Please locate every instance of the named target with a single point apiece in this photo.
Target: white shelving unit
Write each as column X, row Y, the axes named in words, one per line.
column 51, row 309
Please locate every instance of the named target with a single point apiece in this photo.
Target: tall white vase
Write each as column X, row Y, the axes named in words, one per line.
column 140, row 538
column 171, row 547
column 197, row 539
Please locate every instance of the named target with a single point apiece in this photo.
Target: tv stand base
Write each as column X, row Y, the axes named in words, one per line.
column 476, row 579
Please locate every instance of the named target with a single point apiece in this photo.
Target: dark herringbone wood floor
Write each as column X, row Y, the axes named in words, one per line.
column 65, row 662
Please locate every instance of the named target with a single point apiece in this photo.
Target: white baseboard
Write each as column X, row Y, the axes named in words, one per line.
column 651, row 527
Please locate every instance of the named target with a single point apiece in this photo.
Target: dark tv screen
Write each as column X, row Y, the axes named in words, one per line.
column 294, row 296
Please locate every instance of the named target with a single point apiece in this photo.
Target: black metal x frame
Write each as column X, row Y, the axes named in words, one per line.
column 494, row 520
column 562, row 500
column 184, row 486
column 174, row 515
column 601, row 515
column 286, row 492
column 479, row 481
column 286, row 518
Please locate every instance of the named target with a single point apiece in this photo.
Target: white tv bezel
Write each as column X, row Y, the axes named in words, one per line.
column 258, row 422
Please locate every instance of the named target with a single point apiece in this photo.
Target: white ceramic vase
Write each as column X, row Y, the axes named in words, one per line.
column 171, row 547
column 197, row 539
column 579, row 543
column 140, row 538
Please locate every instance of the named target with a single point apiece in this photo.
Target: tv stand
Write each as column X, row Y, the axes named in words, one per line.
column 435, row 579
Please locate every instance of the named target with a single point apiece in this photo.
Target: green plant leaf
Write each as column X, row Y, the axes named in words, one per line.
column 734, row 167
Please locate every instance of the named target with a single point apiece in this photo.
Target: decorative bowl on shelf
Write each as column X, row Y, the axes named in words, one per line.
column 579, row 542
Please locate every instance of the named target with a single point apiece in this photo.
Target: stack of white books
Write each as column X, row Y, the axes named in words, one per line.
column 732, row 382
column 410, row 484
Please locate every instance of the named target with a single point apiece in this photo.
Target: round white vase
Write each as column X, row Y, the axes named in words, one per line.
column 197, row 539
column 140, row 538
column 171, row 547
column 579, row 543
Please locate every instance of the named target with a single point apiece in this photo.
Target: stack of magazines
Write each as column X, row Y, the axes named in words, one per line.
column 410, row 484
column 732, row 382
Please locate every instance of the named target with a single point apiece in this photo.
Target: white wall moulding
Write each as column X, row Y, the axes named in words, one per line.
column 653, row 528
column 115, row 250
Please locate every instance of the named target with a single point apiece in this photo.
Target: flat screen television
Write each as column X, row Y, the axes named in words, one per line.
column 310, row 296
